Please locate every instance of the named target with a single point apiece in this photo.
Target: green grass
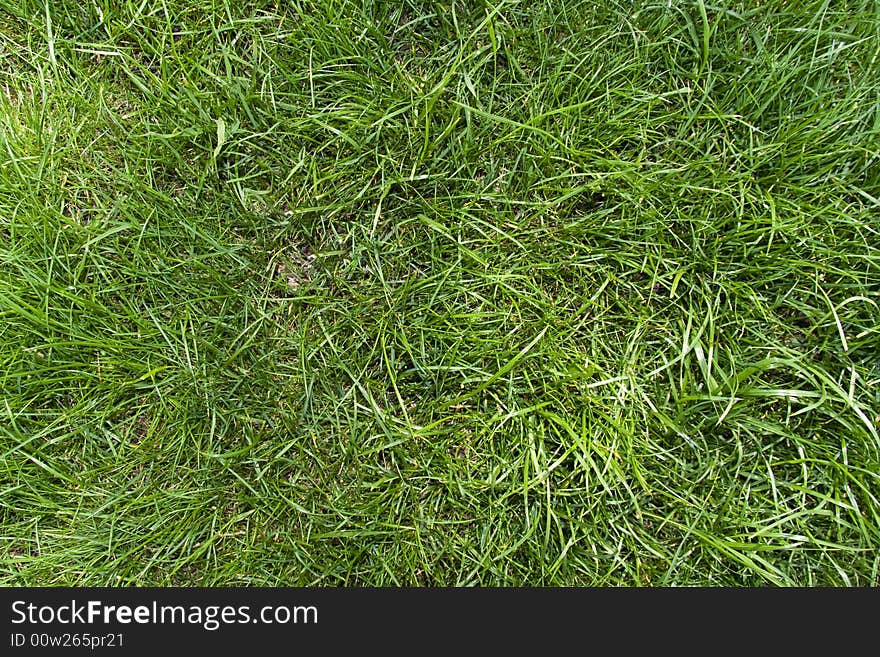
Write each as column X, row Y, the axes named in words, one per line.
column 483, row 292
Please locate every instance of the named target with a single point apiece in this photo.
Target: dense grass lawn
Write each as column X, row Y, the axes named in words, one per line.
column 496, row 292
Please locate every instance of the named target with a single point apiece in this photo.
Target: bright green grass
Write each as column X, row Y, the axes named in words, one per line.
column 467, row 292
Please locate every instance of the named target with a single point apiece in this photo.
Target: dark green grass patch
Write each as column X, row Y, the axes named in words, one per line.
column 439, row 293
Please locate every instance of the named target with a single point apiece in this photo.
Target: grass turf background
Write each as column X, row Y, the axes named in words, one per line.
column 427, row 293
